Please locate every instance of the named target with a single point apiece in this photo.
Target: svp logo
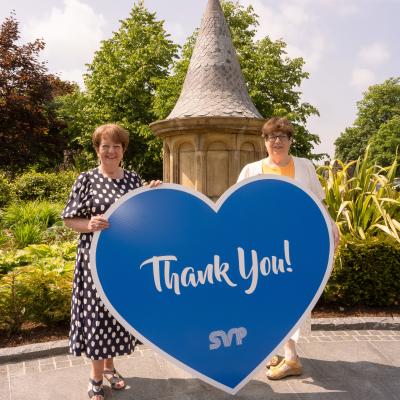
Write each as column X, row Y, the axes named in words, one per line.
column 217, row 338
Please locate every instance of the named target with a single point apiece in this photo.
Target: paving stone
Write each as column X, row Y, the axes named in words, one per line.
column 47, row 367
column 4, row 387
column 391, row 354
column 16, row 366
column 77, row 361
column 46, row 361
column 16, row 369
column 344, row 359
column 64, row 357
column 339, row 389
column 70, row 384
column 32, row 369
column 63, row 364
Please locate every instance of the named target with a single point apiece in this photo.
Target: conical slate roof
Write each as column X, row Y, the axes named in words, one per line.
column 214, row 84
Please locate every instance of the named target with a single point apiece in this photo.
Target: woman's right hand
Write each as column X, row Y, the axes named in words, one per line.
column 98, row 223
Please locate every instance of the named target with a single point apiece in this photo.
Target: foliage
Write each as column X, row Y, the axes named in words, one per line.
column 381, row 104
column 120, row 88
column 385, row 144
column 273, row 79
column 366, row 272
column 361, row 198
column 74, row 110
column 28, row 222
column 36, row 285
column 29, row 129
column 58, row 234
column 4, row 239
column 6, row 191
column 41, row 212
column 26, row 234
column 44, row 186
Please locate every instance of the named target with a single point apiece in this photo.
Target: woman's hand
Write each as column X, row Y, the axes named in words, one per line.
column 154, row 183
column 98, row 223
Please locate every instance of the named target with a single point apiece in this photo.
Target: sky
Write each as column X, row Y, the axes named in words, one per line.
column 347, row 45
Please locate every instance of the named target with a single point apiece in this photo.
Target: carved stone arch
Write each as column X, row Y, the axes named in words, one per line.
column 186, row 164
column 217, row 145
column 217, row 169
column 248, row 153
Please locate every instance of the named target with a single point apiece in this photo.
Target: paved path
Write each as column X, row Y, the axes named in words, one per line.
column 339, row 364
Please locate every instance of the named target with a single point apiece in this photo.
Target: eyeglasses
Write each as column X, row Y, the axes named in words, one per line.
column 281, row 138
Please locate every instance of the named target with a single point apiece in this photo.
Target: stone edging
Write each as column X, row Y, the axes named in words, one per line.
column 60, row 347
column 33, row 351
column 356, row 324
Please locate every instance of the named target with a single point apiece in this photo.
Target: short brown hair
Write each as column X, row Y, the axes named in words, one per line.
column 114, row 132
column 277, row 124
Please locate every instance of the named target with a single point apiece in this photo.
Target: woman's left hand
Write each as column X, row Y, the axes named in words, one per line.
column 154, row 183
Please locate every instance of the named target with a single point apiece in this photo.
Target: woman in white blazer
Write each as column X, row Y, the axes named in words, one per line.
column 278, row 134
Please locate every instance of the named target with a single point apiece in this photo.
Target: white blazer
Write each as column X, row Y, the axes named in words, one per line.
column 304, row 173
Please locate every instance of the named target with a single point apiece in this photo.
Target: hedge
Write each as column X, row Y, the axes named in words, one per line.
column 365, row 273
column 35, row 285
column 32, row 186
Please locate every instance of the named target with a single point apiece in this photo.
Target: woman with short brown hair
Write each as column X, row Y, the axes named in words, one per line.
column 94, row 332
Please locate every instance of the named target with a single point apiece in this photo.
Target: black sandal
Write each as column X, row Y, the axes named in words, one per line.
column 95, row 388
column 114, row 378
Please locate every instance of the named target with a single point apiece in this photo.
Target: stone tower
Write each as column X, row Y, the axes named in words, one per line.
column 214, row 129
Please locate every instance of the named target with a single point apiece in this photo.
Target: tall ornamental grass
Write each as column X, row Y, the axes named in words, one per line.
column 362, row 199
column 29, row 223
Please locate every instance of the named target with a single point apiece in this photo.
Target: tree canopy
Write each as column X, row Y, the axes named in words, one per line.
column 272, row 78
column 377, row 122
column 29, row 129
column 120, row 85
column 137, row 76
column 385, row 144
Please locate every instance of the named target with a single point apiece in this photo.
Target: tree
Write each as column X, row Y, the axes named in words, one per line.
column 29, row 129
column 272, row 78
column 121, row 83
column 385, row 144
column 381, row 103
column 78, row 120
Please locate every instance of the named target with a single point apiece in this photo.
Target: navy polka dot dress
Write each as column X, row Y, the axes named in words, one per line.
column 94, row 332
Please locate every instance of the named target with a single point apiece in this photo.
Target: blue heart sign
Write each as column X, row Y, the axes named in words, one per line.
column 215, row 287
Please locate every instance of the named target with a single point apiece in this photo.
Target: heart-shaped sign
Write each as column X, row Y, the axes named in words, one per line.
column 216, row 288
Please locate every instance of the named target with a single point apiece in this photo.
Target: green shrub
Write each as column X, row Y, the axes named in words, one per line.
column 26, row 234
column 41, row 213
column 59, row 234
column 365, row 273
column 4, row 238
column 6, row 191
column 44, row 186
column 37, row 286
column 28, row 222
